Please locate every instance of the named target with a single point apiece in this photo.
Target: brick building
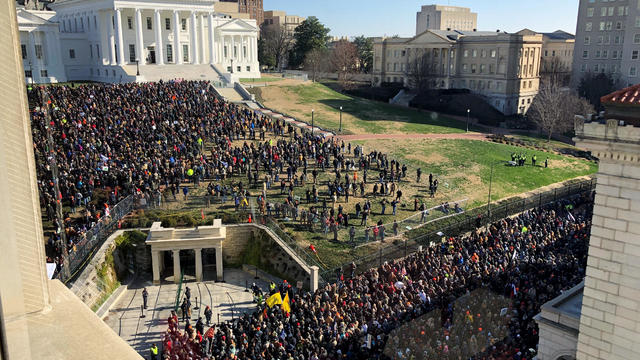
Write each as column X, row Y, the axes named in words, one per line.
column 254, row 8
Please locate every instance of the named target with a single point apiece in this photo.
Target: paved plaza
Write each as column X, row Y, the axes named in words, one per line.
column 227, row 300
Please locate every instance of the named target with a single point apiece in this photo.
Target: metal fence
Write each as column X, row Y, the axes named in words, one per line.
column 455, row 225
column 82, row 251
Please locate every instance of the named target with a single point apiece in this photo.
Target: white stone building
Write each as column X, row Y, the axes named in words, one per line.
column 143, row 40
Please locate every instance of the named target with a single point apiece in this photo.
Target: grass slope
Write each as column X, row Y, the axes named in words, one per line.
column 360, row 116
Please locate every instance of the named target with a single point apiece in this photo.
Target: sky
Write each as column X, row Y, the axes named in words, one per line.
column 398, row 17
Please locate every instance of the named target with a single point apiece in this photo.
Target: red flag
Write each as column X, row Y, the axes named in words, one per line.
column 202, row 213
column 209, row 333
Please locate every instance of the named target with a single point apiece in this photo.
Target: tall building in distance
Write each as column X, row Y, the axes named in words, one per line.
column 275, row 18
column 440, row 17
column 254, row 8
column 607, row 41
column 556, row 54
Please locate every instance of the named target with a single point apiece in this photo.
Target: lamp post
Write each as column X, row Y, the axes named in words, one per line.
column 312, row 122
column 137, row 67
column 340, row 128
column 468, row 114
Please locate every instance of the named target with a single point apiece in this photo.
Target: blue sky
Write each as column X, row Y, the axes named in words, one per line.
column 391, row 17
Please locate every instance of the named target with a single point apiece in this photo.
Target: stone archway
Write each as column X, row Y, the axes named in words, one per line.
column 195, row 239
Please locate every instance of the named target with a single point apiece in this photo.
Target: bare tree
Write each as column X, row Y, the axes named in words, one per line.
column 554, row 108
column 344, row 61
column 555, row 70
column 316, row 61
column 421, row 71
column 278, row 43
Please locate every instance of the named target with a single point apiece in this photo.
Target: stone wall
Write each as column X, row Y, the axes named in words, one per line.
column 610, row 321
column 274, row 257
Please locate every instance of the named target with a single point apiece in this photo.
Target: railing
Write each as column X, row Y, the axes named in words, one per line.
column 304, row 254
column 455, row 225
column 94, row 237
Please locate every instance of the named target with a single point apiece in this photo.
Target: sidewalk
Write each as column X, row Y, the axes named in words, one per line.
column 228, row 300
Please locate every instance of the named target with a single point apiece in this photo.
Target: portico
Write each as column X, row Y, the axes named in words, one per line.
column 175, row 240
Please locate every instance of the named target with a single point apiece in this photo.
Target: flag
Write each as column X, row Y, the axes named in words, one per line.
column 209, row 333
column 202, row 213
column 274, row 299
column 285, row 303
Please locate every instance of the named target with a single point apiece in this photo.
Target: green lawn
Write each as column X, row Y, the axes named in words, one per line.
column 360, row 116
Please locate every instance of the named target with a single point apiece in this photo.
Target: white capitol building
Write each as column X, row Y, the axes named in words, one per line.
column 141, row 40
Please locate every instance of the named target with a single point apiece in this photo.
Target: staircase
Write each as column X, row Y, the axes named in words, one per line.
column 184, row 71
column 403, row 98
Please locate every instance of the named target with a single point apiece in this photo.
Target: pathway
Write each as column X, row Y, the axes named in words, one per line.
column 464, row 136
column 227, row 300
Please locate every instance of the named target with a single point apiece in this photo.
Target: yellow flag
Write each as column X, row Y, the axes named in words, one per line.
column 285, row 303
column 274, row 299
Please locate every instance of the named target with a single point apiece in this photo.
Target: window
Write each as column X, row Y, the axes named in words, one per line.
column 27, row 73
column 634, row 55
column 91, row 51
column 597, row 54
column 395, row 66
column 588, row 26
column 149, row 23
column 553, row 53
column 185, row 53
column 466, row 53
column 546, row 53
column 72, row 53
column 244, row 52
column 248, row 68
column 617, row 40
column 618, row 25
column 611, row 10
column 167, row 23
column 632, row 71
column 609, row 25
column 44, row 73
column 475, row 53
column 183, row 23
column 596, row 67
column 607, row 40
column 603, row 25
column 474, row 67
column 530, row 82
column 585, row 54
column 614, row 54
column 465, row 68
column 483, row 53
column 600, row 39
column 590, row 12
column 169, row 53
column 483, row 68
column 491, row 69
column 620, row 10
column 98, row 51
column 493, row 53
column 132, row 53
column 23, row 49
column 583, row 67
column 638, row 21
column 130, row 23
column 603, row 11
column 38, row 49
column 605, row 54
column 227, row 55
column 587, row 41
column 235, row 52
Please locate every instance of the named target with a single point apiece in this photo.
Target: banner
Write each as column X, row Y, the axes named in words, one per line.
column 274, row 299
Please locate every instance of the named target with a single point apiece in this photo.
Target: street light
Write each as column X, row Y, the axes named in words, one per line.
column 312, row 122
column 340, row 129
column 468, row 114
column 137, row 67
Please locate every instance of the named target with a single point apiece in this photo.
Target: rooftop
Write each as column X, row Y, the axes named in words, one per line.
column 626, row 96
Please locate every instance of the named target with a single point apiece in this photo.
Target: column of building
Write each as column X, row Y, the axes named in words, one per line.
column 212, row 41
column 201, row 43
column 120, row 41
column 111, row 38
column 177, row 51
column 158, row 33
column 139, row 39
column 193, row 38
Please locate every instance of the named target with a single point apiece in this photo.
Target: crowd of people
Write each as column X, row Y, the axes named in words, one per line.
column 469, row 297
column 111, row 141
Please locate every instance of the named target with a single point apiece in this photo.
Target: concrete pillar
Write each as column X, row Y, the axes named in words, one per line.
column 159, row 45
column 111, row 37
column 212, row 41
column 193, row 38
column 177, row 49
column 120, row 37
column 31, row 53
column 155, row 264
column 219, row 266
column 313, row 286
column 176, row 266
column 139, row 38
column 201, row 43
column 198, row 264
